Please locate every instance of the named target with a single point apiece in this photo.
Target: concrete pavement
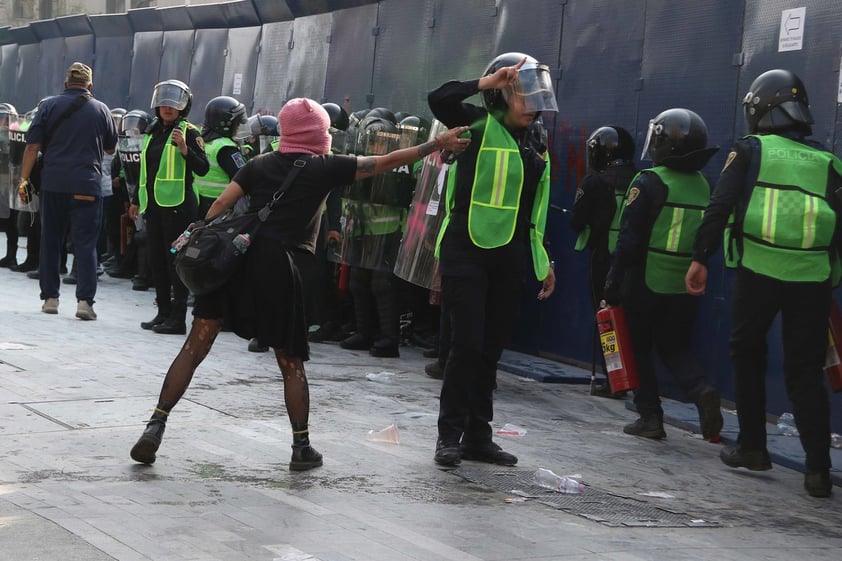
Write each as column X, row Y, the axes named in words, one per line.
column 74, row 397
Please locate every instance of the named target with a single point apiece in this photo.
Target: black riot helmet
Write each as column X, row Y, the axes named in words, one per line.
column 224, row 115
column 609, row 146
column 263, row 125
column 8, row 114
column 135, row 122
column 678, row 138
column 533, row 86
column 382, row 113
column 338, row 116
column 172, row 93
column 776, row 101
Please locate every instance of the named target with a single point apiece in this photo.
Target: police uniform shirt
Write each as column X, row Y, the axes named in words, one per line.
column 295, row 220
column 230, row 159
column 596, row 203
column 733, row 190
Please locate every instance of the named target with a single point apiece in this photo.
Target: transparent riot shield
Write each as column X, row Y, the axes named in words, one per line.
column 374, row 209
column 416, row 261
column 7, row 190
column 130, row 147
column 17, row 144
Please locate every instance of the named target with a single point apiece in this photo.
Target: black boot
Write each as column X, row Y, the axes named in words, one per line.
column 159, row 318
column 304, row 456
column 648, row 426
column 175, row 324
column 144, row 450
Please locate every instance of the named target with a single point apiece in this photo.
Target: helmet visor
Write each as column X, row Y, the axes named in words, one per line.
column 654, row 130
column 169, row 95
column 533, row 88
column 131, row 125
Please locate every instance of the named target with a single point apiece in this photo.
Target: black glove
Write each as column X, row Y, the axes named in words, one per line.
column 611, row 293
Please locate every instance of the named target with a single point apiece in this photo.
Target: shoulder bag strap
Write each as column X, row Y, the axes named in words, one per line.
column 264, row 212
column 77, row 103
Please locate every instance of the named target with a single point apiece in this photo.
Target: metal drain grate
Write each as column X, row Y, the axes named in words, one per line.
column 593, row 504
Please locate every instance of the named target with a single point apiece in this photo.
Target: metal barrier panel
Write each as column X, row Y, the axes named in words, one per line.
column 307, row 63
column 207, row 68
column 113, row 72
column 176, row 66
column 28, row 78
column 81, row 48
column 272, row 64
column 146, row 64
column 8, row 74
column 240, row 72
column 351, row 56
column 51, row 68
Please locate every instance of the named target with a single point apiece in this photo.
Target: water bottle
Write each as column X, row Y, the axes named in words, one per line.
column 558, row 483
column 180, row 242
column 786, row 425
column 242, row 242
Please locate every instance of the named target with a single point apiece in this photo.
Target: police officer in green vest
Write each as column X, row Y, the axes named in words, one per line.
column 173, row 152
column 223, row 117
column 609, row 152
column 496, row 210
column 782, row 190
column 662, row 211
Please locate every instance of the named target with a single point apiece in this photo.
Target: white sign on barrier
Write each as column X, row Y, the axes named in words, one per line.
column 791, row 36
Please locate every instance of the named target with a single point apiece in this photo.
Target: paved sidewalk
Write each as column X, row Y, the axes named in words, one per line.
column 74, row 397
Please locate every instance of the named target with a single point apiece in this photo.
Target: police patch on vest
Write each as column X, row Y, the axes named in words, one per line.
column 238, row 159
column 579, row 194
column 201, row 142
column 730, row 159
column 633, row 193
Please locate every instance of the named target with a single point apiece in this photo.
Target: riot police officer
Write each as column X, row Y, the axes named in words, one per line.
column 8, row 191
column 781, row 190
column 223, row 117
column 609, row 151
column 263, row 135
column 663, row 210
column 173, row 152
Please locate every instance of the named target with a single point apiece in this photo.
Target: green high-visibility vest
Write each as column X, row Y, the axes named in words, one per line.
column 671, row 242
column 614, row 228
column 214, row 182
column 789, row 224
column 495, row 196
column 169, row 187
column 274, row 144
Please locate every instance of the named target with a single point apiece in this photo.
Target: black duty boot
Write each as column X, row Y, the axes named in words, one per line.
column 650, row 426
column 156, row 321
column 9, row 261
column 144, row 449
column 489, row 452
column 447, row 453
column 385, row 347
column 172, row 326
column 304, row 457
column 356, row 342
column 737, row 456
column 434, row 370
column 710, row 414
column 818, row 483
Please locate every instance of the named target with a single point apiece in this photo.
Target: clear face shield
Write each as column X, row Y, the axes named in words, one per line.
column 169, row 95
column 655, row 129
column 533, row 89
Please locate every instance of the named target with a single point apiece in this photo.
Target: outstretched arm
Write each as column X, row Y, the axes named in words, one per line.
column 449, row 140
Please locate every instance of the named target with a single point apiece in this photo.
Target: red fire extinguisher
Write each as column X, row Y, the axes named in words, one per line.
column 833, row 364
column 617, row 349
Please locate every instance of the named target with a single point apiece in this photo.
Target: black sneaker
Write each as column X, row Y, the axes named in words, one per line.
column 434, row 370
column 604, row 390
column 447, row 453
column 304, row 458
column 356, row 342
column 648, row 427
column 710, row 415
column 148, row 443
column 818, row 483
column 490, row 453
column 755, row 460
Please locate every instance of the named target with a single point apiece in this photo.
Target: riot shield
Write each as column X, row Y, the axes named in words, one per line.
column 374, row 209
column 17, row 144
column 7, row 189
column 130, row 147
column 416, row 261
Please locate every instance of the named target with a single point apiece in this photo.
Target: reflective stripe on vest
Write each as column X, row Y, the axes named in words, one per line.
column 674, row 230
column 789, row 224
column 214, row 182
column 169, row 187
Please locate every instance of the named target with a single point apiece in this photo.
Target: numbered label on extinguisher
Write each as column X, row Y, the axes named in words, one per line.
column 610, row 349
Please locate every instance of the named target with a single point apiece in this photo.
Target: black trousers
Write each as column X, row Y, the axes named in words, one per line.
column 662, row 323
column 804, row 308
column 163, row 226
column 481, row 302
